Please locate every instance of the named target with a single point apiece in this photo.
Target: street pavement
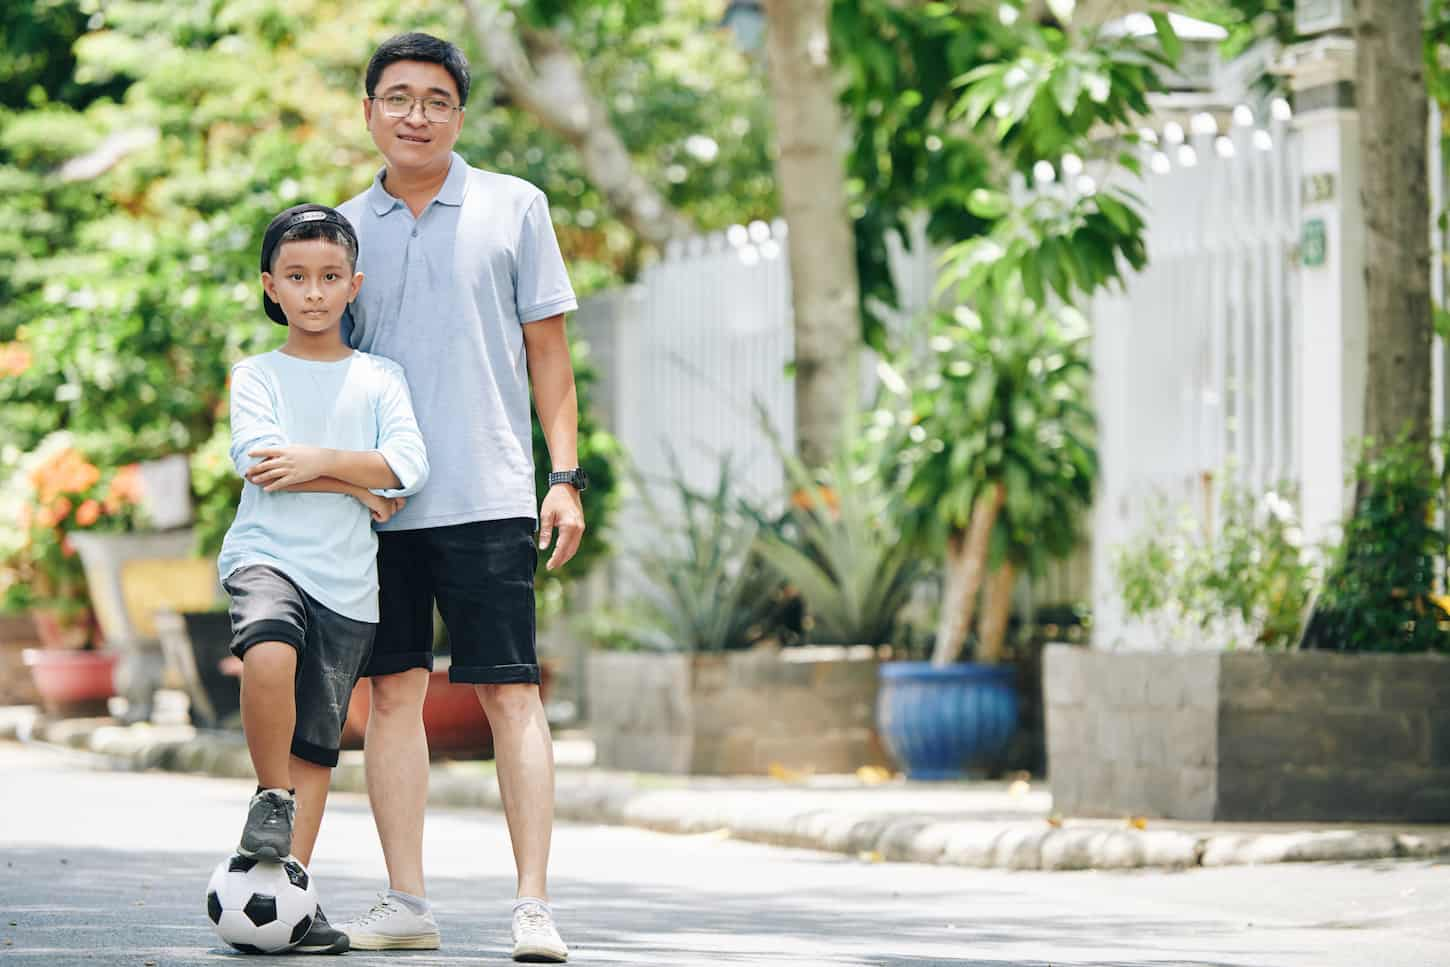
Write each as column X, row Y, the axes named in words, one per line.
column 101, row 867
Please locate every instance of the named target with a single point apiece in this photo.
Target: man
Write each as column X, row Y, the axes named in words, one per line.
column 466, row 288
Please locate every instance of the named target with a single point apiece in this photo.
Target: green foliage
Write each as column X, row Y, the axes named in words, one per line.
column 948, row 101
column 216, row 488
column 600, row 455
column 709, row 590
column 1252, row 576
column 840, row 550
column 1001, row 396
column 1379, row 589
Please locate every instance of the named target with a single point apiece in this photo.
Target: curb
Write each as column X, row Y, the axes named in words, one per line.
column 616, row 800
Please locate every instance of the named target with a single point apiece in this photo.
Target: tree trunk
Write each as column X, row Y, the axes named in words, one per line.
column 809, row 138
column 966, row 560
column 996, row 610
column 544, row 77
column 1393, row 119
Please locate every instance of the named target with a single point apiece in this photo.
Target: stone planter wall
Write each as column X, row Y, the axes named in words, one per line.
column 735, row 713
column 1249, row 735
column 17, row 633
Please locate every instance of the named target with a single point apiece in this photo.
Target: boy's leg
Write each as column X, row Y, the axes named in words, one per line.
column 395, row 750
column 524, row 753
column 269, row 713
column 311, row 781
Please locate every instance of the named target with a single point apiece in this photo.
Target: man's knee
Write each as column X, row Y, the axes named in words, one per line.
column 400, row 694
column 516, row 701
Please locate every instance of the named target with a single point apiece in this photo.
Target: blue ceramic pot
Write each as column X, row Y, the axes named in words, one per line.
column 938, row 722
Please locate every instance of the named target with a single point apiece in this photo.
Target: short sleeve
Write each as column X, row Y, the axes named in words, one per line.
column 541, row 283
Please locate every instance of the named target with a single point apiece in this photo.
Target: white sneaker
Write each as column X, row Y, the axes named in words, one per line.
column 536, row 941
column 391, row 926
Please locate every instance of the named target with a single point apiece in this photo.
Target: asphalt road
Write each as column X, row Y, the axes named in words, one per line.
column 102, row 867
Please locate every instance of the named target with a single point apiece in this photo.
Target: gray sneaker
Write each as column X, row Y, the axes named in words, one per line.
column 268, row 833
column 536, row 940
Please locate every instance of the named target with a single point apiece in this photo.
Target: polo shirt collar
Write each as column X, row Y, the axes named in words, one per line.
column 450, row 194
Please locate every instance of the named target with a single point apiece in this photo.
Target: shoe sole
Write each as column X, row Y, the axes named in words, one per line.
column 340, row 947
column 538, row 955
column 422, row 941
column 263, row 853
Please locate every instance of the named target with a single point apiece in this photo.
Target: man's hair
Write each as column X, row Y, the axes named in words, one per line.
column 319, row 229
column 420, row 47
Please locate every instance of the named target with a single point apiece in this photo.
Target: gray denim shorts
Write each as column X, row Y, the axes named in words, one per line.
column 331, row 652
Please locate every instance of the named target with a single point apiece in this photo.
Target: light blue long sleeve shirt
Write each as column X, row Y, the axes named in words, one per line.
column 323, row 542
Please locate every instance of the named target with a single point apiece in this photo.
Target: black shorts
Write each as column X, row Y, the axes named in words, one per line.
column 482, row 576
column 331, row 652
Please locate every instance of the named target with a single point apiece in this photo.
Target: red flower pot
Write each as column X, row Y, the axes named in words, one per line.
column 72, row 684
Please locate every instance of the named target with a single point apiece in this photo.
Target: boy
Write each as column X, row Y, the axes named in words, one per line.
column 326, row 439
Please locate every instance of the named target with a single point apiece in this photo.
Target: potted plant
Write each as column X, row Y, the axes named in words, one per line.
column 689, row 675
column 1242, row 713
column 60, row 495
column 995, row 455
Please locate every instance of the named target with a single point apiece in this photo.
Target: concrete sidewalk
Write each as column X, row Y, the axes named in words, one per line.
column 979, row 824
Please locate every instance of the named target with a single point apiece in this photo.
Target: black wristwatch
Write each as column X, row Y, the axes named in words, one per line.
column 575, row 478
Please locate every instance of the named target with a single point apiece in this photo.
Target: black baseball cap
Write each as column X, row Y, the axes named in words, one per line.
column 287, row 220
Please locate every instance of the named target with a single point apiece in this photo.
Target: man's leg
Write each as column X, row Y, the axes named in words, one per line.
column 269, row 712
column 395, row 750
column 524, row 754
column 311, row 782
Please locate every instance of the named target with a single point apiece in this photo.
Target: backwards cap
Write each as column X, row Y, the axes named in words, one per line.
column 287, row 220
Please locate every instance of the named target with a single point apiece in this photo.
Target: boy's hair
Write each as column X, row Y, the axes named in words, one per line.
column 420, row 47
column 324, row 230
column 301, row 223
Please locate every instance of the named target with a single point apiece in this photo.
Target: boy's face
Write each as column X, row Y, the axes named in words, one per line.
column 414, row 143
column 312, row 282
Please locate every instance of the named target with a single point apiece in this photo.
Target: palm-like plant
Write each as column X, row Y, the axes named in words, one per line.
column 997, row 451
column 840, row 549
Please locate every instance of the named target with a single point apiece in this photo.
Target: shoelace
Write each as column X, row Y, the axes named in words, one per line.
column 381, row 909
column 533, row 918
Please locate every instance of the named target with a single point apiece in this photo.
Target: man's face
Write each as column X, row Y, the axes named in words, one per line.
column 312, row 282
column 414, row 143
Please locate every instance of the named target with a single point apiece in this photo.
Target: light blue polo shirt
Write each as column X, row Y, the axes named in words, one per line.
column 447, row 295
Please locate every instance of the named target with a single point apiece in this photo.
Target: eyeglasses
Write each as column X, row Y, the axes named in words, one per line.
column 437, row 110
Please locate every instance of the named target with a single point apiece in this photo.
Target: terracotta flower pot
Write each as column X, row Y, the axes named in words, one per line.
column 72, row 683
column 453, row 719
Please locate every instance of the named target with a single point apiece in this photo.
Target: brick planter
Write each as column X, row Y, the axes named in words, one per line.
column 736, row 713
column 1248, row 735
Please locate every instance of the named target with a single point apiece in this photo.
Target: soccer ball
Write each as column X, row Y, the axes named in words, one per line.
column 261, row 906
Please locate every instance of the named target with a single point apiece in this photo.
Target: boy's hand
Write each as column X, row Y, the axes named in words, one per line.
column 382, row 509
column 287, row 466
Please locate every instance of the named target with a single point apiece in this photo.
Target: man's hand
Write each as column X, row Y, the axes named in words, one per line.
column 382, row 509
column 562, row 512
column 282, row 467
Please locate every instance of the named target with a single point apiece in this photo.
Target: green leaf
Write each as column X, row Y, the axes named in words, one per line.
column 1167, row 36
column 988, row 204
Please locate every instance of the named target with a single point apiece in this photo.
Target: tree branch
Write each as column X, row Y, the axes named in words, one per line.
column 545, row 78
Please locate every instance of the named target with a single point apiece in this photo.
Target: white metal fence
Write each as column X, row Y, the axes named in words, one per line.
column 1195, row 359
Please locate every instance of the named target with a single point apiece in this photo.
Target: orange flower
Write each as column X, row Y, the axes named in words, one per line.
column 15, row 359
column 808, row 499
column 61, row 507
column 45, row 518
column 125, row 487
column 67, row 548
column 88, row 513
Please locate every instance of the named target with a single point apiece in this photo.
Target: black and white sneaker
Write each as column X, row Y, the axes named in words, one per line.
column 323, row 938
column 268, row 833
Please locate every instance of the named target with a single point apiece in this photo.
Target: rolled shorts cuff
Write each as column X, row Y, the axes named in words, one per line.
column 316, row 754
column 494, row 674
column 392, row 663
column 266, row 630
